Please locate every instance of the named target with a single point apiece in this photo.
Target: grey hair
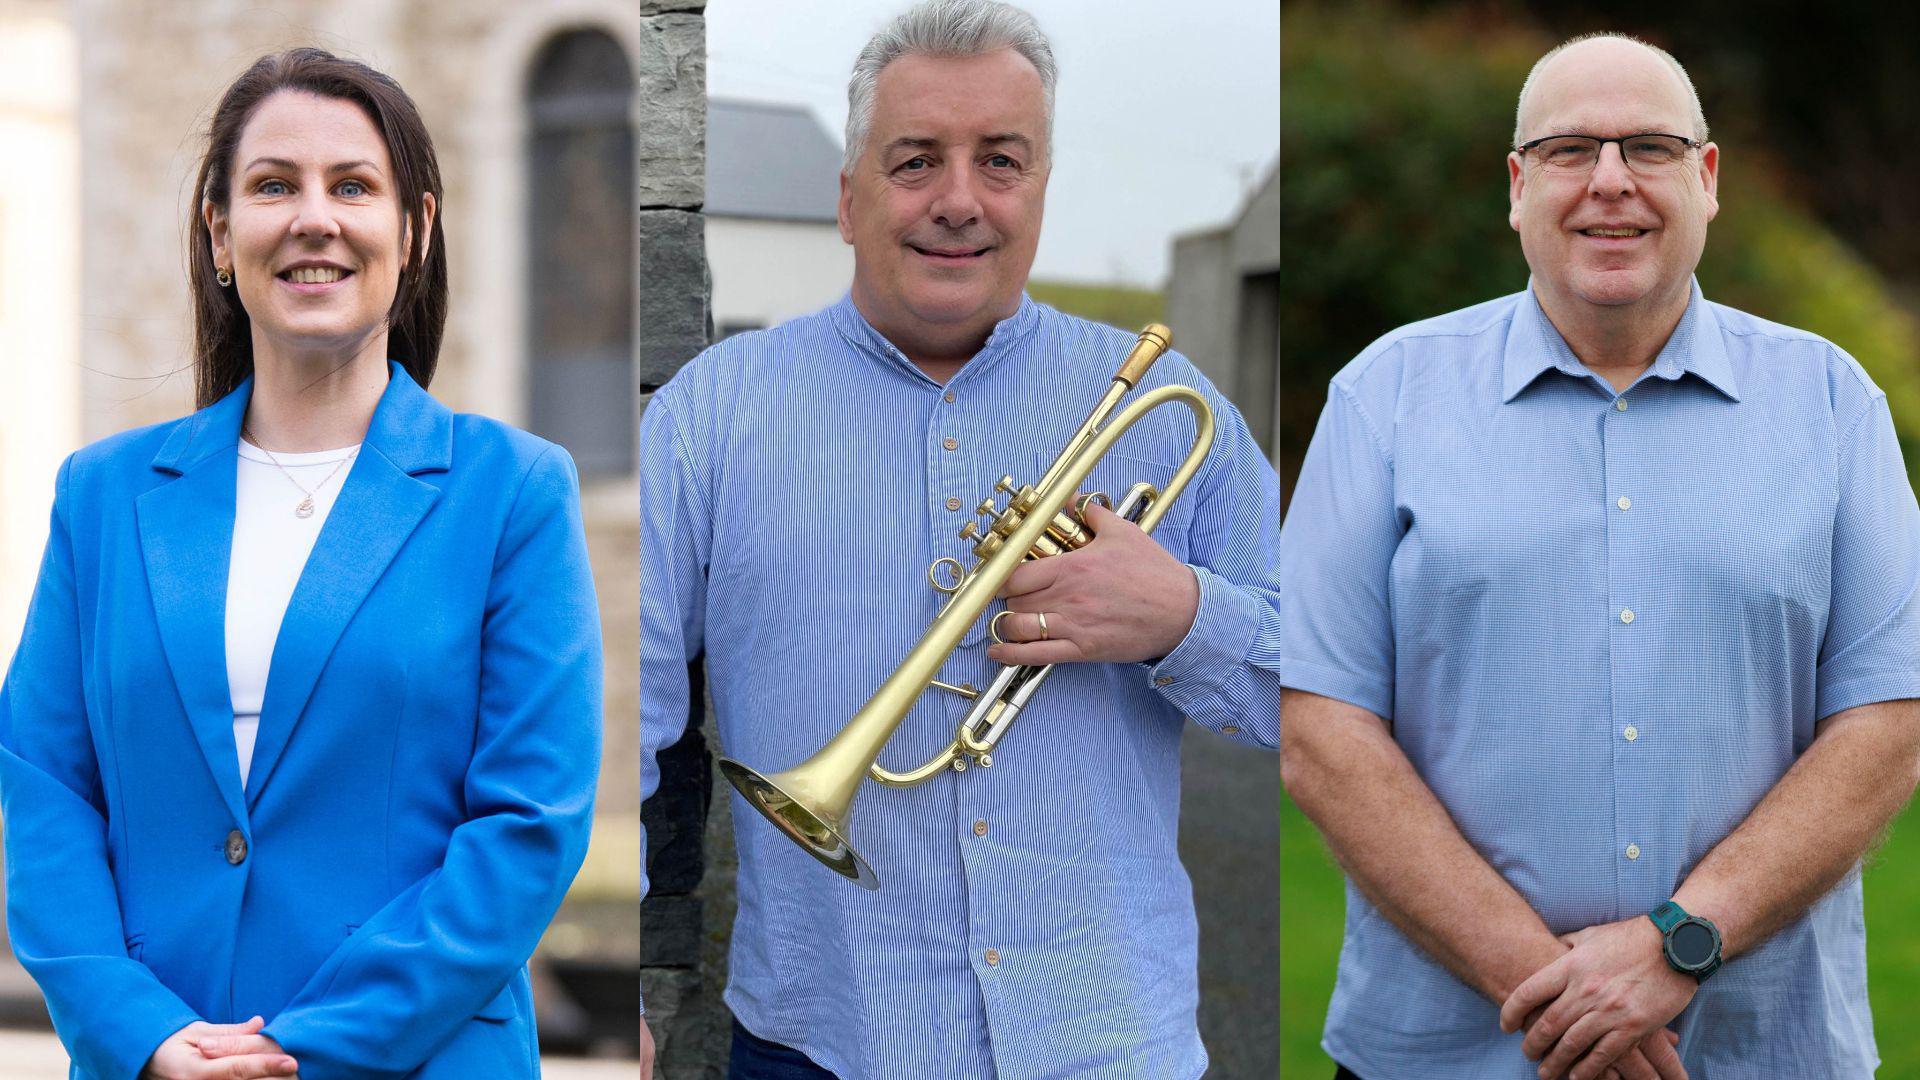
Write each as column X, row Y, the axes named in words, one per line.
column 1693, row 96
column 944, row 28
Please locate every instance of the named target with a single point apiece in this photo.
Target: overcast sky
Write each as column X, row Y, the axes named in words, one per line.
column 1166, row 116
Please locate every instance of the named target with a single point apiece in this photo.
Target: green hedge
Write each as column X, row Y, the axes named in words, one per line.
column 1393, row 205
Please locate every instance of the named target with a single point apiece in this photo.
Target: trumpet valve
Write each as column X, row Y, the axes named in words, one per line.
column 970, row 531
column 986, row 508
column 1008, row 521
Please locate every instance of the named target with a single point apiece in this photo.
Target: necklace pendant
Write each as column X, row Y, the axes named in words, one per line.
column 305, row 509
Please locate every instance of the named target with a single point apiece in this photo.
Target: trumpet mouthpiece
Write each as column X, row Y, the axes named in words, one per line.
column 1153, row 340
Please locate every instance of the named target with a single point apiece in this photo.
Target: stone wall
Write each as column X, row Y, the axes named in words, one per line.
column 683, row 926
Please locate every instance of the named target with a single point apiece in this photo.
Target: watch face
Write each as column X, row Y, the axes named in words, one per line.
column 1692, row 944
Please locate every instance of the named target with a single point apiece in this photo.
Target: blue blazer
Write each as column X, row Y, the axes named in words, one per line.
column 423, row 780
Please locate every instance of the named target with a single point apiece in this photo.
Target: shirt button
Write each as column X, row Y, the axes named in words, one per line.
column 953, row 502
column 1631, row 733
column 980, row 827
column 236, row 848
column 1620, row 404
column 1164, row 680
column 1626, row 615
column 993, row 957
column 949, row 397
column 1230, row 729
column 950, row 443
column 1633, row 851
column 1624, row 503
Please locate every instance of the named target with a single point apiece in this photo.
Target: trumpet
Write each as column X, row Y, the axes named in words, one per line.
column 812, row 802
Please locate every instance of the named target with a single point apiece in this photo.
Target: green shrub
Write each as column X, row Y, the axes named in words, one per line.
column 1393, row 206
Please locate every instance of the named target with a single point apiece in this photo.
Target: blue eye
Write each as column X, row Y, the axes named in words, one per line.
column 359, row 189
column 909, row 166
column 266, row 184
column 1001, row 161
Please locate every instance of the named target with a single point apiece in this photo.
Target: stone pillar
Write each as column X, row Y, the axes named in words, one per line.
column 673, row 297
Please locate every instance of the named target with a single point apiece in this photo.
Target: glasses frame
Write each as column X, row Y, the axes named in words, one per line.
column 1691, row 145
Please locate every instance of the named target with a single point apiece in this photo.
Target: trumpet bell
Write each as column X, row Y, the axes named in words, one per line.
column 820, row 829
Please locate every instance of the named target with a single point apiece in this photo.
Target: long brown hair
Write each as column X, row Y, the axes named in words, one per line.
column 222, row 334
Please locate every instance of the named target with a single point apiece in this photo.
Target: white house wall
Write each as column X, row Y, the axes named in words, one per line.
column 766, row 272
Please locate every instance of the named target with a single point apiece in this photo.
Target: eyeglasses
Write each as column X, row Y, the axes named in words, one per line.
column 1648, row 154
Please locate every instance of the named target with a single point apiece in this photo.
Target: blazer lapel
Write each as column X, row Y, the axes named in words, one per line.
column 186, row 541
column 379, row 507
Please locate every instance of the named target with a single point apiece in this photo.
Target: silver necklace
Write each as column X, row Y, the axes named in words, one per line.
column 304, row 508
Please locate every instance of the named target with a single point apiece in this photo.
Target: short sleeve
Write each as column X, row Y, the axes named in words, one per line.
column 1336, row 553
column 1872, row 647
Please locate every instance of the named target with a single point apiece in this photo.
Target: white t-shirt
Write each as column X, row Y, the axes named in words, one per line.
column 271, row 543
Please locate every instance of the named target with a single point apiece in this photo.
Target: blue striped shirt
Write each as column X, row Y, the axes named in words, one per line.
column 1033, row 919
column 1603, row 626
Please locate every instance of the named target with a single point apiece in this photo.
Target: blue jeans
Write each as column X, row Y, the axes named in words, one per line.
column 754, row 1058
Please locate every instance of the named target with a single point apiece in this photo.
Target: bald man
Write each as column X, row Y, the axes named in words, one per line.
column 1600, row 641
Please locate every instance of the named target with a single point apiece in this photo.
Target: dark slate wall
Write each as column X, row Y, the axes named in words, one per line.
column 680, row 974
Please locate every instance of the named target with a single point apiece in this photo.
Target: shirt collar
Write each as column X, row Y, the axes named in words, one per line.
column 1534, row 345
column 1007, row 333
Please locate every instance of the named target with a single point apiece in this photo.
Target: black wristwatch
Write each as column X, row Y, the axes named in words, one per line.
column 1690, row 944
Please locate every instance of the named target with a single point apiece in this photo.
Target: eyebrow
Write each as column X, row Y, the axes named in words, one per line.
column 283, row 163
column 925, row 143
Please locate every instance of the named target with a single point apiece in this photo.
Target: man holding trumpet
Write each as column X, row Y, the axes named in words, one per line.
column 1035, row 920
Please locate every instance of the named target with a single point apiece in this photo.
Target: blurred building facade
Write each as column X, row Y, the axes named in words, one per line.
column 772, row 212
column 570, row 137
column 1223, row 301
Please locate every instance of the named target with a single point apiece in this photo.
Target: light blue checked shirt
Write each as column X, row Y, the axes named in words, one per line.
column 1603, row 626
column 1033, row 919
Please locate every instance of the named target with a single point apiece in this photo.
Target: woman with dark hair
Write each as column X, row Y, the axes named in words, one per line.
column 298, row 751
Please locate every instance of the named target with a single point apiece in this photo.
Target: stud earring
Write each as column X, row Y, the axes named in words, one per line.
column 224, row 276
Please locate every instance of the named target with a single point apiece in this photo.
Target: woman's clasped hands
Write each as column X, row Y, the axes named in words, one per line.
column 203, row 1051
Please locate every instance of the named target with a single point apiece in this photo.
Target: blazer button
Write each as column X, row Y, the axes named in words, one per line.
column 236, row 848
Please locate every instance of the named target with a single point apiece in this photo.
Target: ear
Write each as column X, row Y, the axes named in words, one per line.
column 1710, row 177
column 428, row 208
column 846, row 210
column 216, row 219
column 1516, row 185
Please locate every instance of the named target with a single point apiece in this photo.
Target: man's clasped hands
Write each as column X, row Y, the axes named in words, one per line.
column 1600, row 1011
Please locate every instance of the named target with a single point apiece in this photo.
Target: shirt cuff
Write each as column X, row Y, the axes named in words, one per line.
column 1328, row 682
column 1867, row 688
column 1215, row 647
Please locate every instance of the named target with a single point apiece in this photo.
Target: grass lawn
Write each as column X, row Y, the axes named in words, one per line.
column 1312, row 902
column 1116, row 305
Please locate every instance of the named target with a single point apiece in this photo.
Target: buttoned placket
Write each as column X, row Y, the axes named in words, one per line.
column 953, row 474
column 1627, row 630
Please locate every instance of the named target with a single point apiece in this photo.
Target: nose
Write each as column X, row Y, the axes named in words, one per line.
column 313, row 215
column 1611, row 177
column 956, row 203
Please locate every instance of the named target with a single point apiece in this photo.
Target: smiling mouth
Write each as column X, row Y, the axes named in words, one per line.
column 955, row 256
column 314, row 275
column 1614, row 234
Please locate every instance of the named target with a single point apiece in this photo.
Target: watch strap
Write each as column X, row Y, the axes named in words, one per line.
column 1667, row 916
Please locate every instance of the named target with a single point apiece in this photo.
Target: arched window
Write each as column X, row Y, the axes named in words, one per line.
column 580, row 258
